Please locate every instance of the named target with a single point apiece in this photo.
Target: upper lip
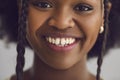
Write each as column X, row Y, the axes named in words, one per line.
column 61, row 35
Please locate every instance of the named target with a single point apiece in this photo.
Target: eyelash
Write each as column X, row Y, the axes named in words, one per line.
column 42, row 5
column 79, row 8
column 83, row 7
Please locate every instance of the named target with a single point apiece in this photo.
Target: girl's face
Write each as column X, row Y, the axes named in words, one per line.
column 62, row 32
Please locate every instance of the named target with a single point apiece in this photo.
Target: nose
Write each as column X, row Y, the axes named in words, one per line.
column 61, row 20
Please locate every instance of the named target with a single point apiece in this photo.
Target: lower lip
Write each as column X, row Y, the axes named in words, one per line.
column 62, row 49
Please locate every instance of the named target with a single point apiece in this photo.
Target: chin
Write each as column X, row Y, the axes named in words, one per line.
column 61, row 65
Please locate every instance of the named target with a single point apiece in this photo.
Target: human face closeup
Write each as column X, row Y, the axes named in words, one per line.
column 62, row 32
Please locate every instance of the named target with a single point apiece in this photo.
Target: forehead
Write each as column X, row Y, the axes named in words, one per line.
column 65, row 2
column 93, row 1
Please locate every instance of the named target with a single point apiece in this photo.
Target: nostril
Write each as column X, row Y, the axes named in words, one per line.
column 61, row 23
column 51, row 22
column 72, row 23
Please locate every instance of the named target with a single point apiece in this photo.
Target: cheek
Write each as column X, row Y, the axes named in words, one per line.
column 37, row 18
column 90, row 27
column 34, row 22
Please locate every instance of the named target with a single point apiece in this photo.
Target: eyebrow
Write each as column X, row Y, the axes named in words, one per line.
column 91, row 1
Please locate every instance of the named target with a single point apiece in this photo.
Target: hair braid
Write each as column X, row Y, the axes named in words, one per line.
column 21, row 40
column 100, row 56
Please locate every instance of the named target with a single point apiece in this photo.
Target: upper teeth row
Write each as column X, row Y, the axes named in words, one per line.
column 60, row 41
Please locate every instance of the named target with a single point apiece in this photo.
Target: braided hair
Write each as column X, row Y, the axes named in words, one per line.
column 21, row 40
column 100, row 55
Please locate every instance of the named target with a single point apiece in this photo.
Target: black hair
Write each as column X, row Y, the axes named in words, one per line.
column 13, row 31
column 100, row 55
column 21, row 40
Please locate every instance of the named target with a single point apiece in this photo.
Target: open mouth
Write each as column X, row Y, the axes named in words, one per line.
column 60, row 42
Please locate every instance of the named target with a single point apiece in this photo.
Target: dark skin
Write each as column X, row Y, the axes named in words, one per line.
column 61, row 19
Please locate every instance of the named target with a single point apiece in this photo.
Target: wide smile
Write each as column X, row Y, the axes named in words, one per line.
column 61, row 43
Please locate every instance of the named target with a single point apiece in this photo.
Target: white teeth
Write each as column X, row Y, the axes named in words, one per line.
column 60, row 41
column 52, row 40
column 49, row 39
column 63, row 42
column 71, row 40
column 67, row 41
column 57, row 41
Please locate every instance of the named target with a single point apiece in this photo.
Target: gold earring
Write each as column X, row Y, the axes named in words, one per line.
column 101, row 29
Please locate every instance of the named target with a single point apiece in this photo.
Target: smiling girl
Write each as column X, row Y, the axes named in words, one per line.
column 62, row 33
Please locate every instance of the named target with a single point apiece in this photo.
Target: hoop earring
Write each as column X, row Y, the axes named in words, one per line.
column 101, row 29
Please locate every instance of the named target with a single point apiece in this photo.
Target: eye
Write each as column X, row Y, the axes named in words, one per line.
column 42, row 4
column 83, row 7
